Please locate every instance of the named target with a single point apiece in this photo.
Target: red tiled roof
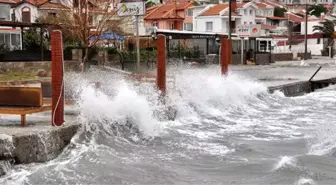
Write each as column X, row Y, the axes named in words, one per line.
column 8, row 1
column 50, row 5
column 215, row 10
column 7, row 28
column 261, row 5
column 277, row 18
column 293, row 17
column 233, row 14
column 272, row 3
column 35, row 2
column 267, row 27
column 167, row 11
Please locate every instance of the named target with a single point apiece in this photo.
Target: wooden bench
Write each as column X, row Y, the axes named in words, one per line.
column 22, row 100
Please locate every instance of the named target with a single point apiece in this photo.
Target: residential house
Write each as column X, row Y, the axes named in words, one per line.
column 9, row 36
column 302, row 2
column 194, row 12
column 170, row 16
column 26, row 10
column 281, row 24
column 216, row 17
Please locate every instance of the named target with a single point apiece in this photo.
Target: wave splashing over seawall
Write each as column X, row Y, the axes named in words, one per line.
column 226, row 130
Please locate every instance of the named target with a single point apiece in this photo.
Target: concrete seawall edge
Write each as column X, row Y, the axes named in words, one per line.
column 34, row 147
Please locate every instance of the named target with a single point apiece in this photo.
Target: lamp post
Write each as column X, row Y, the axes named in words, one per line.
column 230, row 15
column 306, row 31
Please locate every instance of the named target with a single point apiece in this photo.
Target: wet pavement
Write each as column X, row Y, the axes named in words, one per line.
column 279, row 73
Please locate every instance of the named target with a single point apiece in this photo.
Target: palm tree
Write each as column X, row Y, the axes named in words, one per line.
column 327, row 28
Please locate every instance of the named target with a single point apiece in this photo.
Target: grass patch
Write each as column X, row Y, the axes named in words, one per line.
column 16, row 76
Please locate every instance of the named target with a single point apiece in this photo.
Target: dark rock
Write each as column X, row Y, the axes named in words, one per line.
column 42, row 73
column 5, row 166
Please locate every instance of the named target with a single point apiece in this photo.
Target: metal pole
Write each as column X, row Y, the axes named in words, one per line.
column 242, row 50
column 315, row 74
column 230, row 25
column 41, row 42
column 306, row 31
column 137, row 43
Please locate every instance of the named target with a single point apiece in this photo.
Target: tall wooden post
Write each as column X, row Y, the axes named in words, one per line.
column 161, row 64
column 57, row 101
column 229, row 52
column 225, row 55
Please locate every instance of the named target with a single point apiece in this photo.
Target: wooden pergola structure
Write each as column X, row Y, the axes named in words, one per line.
column 22, row 25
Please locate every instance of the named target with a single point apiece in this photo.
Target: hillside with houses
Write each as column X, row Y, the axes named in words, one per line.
column 282, row 23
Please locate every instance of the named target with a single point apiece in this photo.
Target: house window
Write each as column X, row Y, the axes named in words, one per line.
column 190, row 12
column 4, row 12
column 75, row 3
column 188, row 26
column 2, row 38
column 26, row 14
column 251, row 22
column 156, row 24
column 171, row 26
column 245, row 12
column 51, row 14
column 90, row 20
column 15, row 41
column 5, row 39
column 13, row 17
column 208, row 26
column 251, row 12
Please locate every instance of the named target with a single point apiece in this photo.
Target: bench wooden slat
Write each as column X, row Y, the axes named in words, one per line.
column 22, row 100
column 23, row 111
column 21, row 96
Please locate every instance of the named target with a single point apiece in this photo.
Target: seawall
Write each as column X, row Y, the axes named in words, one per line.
column 34, row 144
column 303, row 87
column 293, row 89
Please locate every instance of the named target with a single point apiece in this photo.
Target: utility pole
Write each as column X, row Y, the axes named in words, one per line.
column 137, row 43
column 306, row 31
column 230, row 23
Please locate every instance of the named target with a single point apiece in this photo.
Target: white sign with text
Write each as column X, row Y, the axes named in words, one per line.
column 131, row 8
column 249, row 30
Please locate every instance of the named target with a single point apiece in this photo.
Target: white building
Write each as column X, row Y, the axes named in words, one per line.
column 9, row 37
column 295, row 2
column 196, row 10
column 214, row 18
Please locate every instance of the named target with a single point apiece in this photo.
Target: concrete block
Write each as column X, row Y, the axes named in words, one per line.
column 42, row 146
column 6, row 146
column 39, row 147
column 5, row 166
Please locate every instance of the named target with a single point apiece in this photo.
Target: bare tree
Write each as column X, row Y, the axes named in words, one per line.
column 87, row 20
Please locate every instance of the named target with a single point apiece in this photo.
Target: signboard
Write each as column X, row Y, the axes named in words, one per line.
column 249, row 30
column 203, row 36
column 131, row 8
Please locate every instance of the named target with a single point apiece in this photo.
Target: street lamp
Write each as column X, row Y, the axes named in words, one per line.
column 230, row 24
column 306, row 30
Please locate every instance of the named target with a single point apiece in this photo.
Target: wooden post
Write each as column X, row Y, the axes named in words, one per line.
column 225, row 55
column 57, row 102
column 161, row 64
column 23, row 120
column 229, row 52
